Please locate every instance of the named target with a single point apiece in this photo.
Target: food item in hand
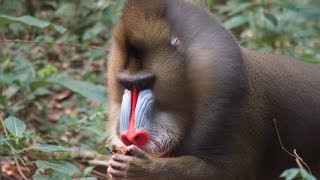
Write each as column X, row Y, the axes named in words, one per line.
column 121, row 150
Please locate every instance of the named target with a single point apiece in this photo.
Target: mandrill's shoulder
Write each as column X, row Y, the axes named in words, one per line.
column 269, row 64
column 288, row 83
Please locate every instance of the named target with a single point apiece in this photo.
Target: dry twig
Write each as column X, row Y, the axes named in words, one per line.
column 298, row 159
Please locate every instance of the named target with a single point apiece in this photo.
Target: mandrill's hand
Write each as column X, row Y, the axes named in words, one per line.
column 140, row 165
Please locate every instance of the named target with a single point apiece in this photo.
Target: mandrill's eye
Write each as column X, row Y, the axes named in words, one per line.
column 175, row 42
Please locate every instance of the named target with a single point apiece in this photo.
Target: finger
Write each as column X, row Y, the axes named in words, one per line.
column 121, row 158
column 115, row 173
column 136, row 151
column 116, row 165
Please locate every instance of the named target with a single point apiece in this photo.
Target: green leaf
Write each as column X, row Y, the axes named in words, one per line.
column 54, row 176
column 94, row 92
column 60, row 166
column 58, row 28
column 15, row 126
column 60, row 176
column 235, row 21
column 5, row 142
column 48, row 148
column 88, row 170
column 24, row 19
column 290, row 174
column 240, row 8
column 29, row 20
column 297, row 173
column 271, row 18
column 305, row 175
column 47, row 71
column 3, row 100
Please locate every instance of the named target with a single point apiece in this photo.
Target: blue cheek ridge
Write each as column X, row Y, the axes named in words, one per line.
column 143, row 109
column 142, row 113
column 125, row 111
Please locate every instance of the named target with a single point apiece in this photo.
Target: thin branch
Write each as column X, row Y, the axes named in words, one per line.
column 280, row 141
column 15, row 158
column 298, row 159
column 98, row 163
column 2, row 123
column 54, row 43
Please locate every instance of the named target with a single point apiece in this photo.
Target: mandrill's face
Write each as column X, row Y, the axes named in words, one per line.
column 149, row 101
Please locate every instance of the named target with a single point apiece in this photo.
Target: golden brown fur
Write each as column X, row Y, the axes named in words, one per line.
column 218, row 99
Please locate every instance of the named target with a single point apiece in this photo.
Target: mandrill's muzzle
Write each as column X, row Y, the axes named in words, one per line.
column 135, row 116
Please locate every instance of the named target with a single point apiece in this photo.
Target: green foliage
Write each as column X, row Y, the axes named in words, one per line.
column 55, row 175
column 48, row 148
column 18, row 146
column 4, row 19
column 287, row 27
column 15, row 126
column 57, row 90
column 60, row 166
column 93, row 92
column 297, row 173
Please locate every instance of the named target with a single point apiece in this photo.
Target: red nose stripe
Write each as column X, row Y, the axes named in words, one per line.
column 134, row 99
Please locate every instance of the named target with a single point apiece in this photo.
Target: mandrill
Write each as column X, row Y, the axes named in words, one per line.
column 190, row 103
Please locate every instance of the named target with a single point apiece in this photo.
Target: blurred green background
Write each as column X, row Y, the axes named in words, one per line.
column 53, row 91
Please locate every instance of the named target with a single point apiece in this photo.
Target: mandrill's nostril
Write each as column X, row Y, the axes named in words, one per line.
column 125, row 140
column 138, row 138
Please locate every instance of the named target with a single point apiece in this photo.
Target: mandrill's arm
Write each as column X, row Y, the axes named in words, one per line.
column 144, row 166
